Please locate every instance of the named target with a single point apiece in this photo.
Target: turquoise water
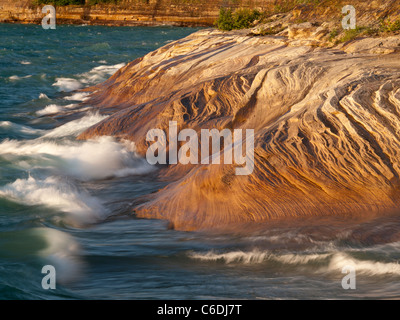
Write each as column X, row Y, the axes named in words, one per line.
column 67, row 203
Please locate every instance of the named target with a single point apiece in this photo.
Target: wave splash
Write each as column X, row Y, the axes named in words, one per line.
column 90, row 160
column 56, row 193
column 18, row 128
column 75, row 127
column 94, row 76
column 57, row 162
column 332, row 262
column 54, row 108
column 99, row 158
column 62, row 251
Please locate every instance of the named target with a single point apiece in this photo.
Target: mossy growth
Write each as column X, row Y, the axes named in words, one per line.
column 239, row 19
column 390, row 26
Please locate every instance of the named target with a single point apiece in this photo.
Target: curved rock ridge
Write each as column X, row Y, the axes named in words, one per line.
column 326, row 123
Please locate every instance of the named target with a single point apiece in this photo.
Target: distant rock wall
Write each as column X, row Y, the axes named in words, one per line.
column 128, row 12
column 196, row 12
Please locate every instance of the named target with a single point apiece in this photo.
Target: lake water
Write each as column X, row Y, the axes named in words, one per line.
column 66, row 203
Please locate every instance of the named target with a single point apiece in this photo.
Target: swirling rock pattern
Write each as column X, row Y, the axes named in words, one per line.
column 326, row 121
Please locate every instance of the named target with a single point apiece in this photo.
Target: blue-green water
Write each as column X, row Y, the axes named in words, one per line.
column 66, row 203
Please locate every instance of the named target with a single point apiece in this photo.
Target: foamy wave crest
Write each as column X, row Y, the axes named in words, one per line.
column 16, row 78
column 54, row 108
column 43, row 96
column 67, row 84
column 233, row 256
column 94, row 76
column 258, row 256
column 367, row 267
column 58, row 194
column 75, row 127
column 331, row 262
column 79, row 96
column 63, row 253
column 10, row 126
column 100, row 73
column 50, row 109
column 99, row 158
column 299, row 259
column 89, row 160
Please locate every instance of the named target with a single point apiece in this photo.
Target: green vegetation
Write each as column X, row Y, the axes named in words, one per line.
column 386, row 26
column 245, row 18
column 389, row 26
column 351, row 34
column 333, row 34
column 240, row 19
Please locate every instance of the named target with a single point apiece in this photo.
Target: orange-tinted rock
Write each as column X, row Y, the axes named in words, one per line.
column 327, row 126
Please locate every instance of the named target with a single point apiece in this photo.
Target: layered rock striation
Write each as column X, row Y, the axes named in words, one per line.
column 124, row 12
column 326, row 123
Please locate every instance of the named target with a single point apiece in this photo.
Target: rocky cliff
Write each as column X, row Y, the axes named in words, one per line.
column 194, row 12
column 326, row 121
column 126, row 12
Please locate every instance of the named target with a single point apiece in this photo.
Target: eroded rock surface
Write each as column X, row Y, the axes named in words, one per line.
column 326, row 121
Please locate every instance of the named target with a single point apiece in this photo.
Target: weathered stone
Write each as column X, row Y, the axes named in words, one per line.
column 326, row 122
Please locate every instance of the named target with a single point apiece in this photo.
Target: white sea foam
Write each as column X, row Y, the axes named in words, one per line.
column 299, row 259
column 54, row 108
column 100, row 73
column 75, row 127
column 67, row 84
column 60, row 157
column 10, row 126
column 63, row 252
column 50, row 109
column 331, row 262
column 258, row 256
column 55, row 193
column 94, row 76
column 367, row 267
column 79, row 96
column 99, row 158
column 250, row 257
column 15, row 78
column 43, row 96
column 88, row 160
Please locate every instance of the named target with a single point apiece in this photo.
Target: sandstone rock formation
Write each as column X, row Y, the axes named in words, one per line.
column 200, row 13
column 326, row 121
column 123, row 12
